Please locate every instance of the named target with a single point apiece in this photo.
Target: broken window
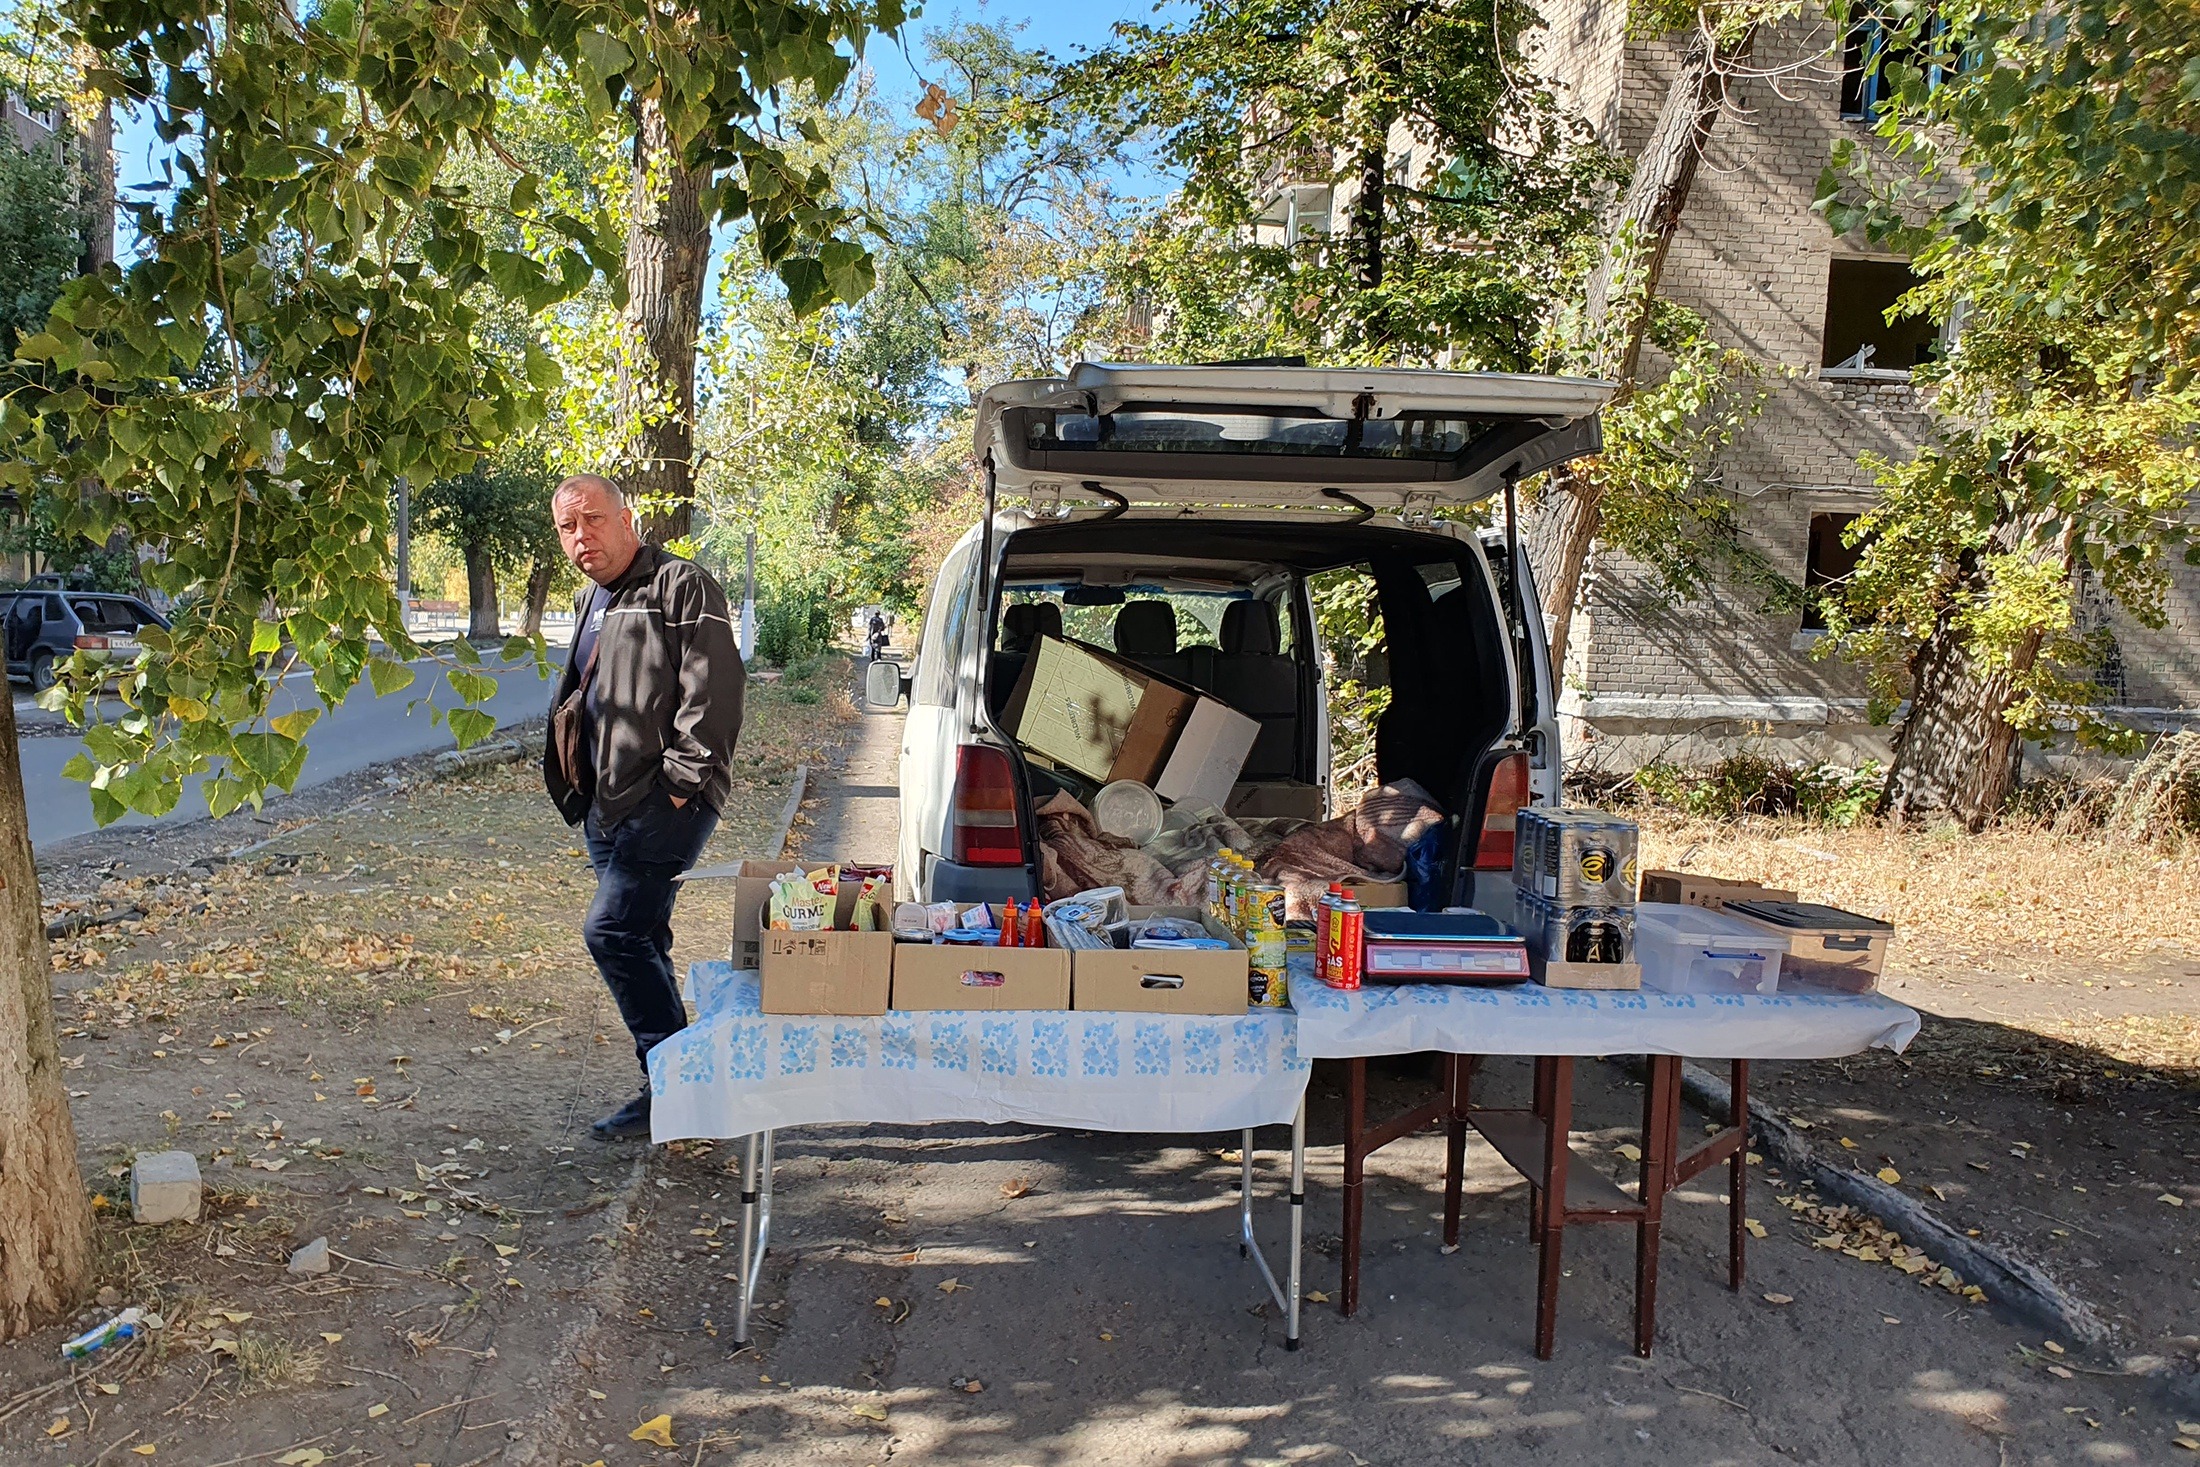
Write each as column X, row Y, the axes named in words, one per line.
column 1871, row 48
column 1827, row 565
column 1858, row 333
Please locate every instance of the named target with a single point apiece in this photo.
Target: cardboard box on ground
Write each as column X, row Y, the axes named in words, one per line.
column 1107, row 719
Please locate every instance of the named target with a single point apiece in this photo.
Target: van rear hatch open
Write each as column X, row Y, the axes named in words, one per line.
column 1380, row 437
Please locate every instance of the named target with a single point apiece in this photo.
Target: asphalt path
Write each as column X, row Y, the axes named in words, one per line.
column 360, row 731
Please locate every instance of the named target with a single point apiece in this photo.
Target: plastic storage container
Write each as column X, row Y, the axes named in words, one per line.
column 1691, row 949
column 1828, row 949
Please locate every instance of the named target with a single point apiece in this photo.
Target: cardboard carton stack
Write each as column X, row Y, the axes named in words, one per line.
column 1574, row 877
column 1105, row 719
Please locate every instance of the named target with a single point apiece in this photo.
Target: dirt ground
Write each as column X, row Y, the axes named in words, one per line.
column 381, row 1028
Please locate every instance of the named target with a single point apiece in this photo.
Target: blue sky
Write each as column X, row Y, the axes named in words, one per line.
column 1062, row 29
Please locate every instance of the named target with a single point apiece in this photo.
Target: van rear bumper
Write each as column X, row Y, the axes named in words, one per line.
column 951, row 881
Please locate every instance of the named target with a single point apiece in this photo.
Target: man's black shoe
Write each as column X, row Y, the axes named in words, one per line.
column 630, row 1119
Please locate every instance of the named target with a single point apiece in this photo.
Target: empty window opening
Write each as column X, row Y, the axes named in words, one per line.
column 1858, row 333
column 1827, row 565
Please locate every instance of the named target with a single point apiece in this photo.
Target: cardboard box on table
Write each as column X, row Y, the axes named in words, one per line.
column 1163, row 980
column 752, row 891
column 838, row 972
column 931, row 976
column 1688, row 889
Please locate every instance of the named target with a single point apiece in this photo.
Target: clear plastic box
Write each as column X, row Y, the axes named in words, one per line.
column 1688, row 949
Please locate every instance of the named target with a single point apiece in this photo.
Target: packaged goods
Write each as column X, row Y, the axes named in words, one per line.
column 1345, row 964
column 797, row 905
column 870, row 908
column 1265, row 953
column 1828, row 948
column 1011, row 927
column 941, row 916
column 1577, row 857
column 1174, row 976
column 1576, row 946
column 912, row 923
column 1035, row 932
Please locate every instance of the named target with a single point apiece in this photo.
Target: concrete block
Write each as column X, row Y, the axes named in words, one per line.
column 164, row 1187
column 313, row 1258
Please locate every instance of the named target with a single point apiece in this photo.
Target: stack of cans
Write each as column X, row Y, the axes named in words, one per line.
column 1575, row 873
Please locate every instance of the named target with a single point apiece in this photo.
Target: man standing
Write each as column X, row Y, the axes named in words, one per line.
column 642, row 726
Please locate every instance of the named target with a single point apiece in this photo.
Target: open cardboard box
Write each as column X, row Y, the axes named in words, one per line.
column 838, row 972
column 1096, row 714
column 932, row 976
column 1689, row 889
column 752, row 892
column 1158, row 981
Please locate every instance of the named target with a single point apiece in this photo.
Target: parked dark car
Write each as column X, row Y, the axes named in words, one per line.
column 44, row 627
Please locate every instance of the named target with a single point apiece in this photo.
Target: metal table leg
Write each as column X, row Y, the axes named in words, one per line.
column 1249, row 1246
column 756, row 1228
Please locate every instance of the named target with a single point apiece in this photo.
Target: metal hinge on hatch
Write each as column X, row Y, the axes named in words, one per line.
column 1046, row 502
column 1419, row 508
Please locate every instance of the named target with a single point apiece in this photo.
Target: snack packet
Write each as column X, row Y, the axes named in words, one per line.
column 870, row 908
column 797, row 905
column 826, row 881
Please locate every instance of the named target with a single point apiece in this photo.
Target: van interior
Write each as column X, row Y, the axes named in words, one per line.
column 1223, row 607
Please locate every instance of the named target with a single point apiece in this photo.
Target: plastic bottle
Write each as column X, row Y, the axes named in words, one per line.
column 1035, row 932
column 1008, row 926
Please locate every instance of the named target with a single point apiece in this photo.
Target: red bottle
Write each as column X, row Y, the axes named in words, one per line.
column 1035, row 932
column 1008, row 927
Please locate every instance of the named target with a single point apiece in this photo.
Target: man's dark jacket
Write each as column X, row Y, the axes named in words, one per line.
column 668, row 691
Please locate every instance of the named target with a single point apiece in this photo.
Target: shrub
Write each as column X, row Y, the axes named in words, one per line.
column 794, row 625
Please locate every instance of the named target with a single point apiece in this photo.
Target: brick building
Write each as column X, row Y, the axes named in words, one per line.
column 1648, row 678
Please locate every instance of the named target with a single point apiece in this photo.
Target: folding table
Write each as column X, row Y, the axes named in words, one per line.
column 1555, row 1026
column 739, row 1072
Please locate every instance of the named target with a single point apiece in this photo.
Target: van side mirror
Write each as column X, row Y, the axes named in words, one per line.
column 883, row 684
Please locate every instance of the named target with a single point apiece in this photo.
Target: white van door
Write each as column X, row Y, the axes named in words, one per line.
column 934, row 727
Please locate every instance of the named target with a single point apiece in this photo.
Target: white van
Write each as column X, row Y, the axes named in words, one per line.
column 1174, row 516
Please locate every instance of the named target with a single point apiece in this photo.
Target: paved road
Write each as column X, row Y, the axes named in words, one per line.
column 363, row 730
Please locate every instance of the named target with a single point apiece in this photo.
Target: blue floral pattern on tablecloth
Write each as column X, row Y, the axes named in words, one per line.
column 737, row 1069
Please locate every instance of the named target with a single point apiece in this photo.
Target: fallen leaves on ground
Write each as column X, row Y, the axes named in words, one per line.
column 1015, row 1188
column 870, row 1411
column 1779, row 1298
column 1863, row 1237
column 657, row 1431
column 1889, row 1175
column 952, row 1286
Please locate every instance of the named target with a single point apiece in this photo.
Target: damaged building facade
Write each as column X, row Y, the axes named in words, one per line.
column 1649, row 677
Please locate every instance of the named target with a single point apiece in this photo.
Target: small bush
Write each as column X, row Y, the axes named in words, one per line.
column 794, row 625
column 807, row 668
column 1747, row 784
column 805, row 694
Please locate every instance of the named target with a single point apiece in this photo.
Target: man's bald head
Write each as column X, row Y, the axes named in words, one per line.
column 595, row 526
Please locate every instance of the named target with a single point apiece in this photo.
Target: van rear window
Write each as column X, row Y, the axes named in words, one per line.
column 1413, row 436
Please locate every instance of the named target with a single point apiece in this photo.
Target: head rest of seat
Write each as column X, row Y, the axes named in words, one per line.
column 1251, row 627
column 1146, row 629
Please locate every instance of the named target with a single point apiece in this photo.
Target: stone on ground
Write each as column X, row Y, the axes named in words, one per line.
column 164, row 1187
column 313, row 1258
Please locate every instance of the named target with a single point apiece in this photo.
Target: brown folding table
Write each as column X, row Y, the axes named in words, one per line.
column 1556, row 1027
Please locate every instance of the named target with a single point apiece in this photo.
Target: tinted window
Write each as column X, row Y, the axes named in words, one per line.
column 106, row 614
column 943, row 632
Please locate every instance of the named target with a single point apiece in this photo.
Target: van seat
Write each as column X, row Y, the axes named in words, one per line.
column 1145, row 632
column 1022, row 625
column 1253, row 677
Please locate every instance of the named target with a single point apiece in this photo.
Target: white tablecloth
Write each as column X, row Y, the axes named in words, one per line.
column 1527, row 1018
column 737, row 1070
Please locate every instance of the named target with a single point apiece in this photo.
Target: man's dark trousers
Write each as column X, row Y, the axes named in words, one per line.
column 629, row 926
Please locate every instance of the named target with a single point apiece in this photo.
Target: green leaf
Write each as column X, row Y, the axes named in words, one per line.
column 388, row 675
column 469, row 726
column 267, row 637
column 262, row 753
column 474, row 687
column 294, row 725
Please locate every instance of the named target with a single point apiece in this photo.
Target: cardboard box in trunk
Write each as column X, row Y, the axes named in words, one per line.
column 838, row 972
column 930, row 976
column 1688, row 889
column 1096, row 715
column 1375, row 895
column 1262, row 799
column 752, row 891
column 1161, row 981
column 1209, row 753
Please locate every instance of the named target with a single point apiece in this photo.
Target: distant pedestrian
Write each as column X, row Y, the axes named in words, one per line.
column 642, row 728
column 877, row 637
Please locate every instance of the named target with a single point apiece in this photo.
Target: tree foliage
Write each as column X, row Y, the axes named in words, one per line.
column 40, row 238
column 2054, row 212
column 298, row 327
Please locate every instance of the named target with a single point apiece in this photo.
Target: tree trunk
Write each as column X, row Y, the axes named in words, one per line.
column 481, row 594
column 667, row 254
column 1956, row 753
column 1367, row 219
column 538, row 595
column 96, row 188
column 45, row 1215
column 1621, row 290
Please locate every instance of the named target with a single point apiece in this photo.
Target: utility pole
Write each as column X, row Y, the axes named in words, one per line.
column 404, row 553
column 748, row 607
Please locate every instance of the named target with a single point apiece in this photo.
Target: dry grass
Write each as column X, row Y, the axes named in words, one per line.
column 2015, row 889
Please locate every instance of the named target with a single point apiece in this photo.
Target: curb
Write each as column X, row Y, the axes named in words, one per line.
column 2014, row 1283
column 788, row 811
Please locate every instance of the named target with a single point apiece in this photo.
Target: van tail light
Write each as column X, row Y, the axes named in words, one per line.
column 982, row 816
column 1509, row 794
column 91, row 644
